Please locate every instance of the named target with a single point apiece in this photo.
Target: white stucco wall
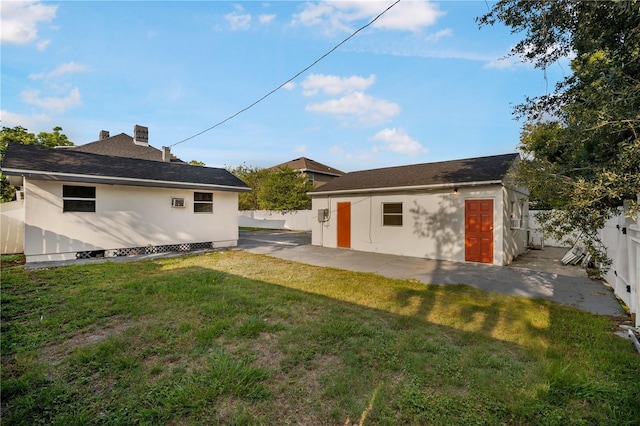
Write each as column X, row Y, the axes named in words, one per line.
column 126, row 216
column 433, row 223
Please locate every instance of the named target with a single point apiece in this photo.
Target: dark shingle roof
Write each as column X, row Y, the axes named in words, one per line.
column 122, row 145
column 481, row 169
column 308, row 165
column 61, row 164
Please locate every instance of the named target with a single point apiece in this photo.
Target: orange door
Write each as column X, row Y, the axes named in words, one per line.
column 478, row 231
column 344, row 225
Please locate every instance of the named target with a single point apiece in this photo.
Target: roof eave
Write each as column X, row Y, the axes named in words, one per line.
column 406, row 188
column 116, row 180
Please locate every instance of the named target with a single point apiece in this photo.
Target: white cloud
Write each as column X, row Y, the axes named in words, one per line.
column 397, row 140
column 340, row 16
column 20, row 20
column 265, row 19
column 42, row 45
column 300, row 149
column 63, row 69
column 10, row 119
column 367, row 109
column 334, row 85
column 408, row 16
column 238, row 20
column 432, row 38
column 289, row 85
column 52, row 104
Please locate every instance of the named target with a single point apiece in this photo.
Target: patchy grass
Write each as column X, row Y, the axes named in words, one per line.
column 236, row 338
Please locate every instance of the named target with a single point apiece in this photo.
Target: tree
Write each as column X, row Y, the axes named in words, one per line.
column 19, row 134
column 285, row 189
column 581, row 142
column 254, row 177
column 197, row 163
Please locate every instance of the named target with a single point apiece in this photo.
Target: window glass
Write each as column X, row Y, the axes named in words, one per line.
column 78, row 198
column 392, row 214
column 203, row 202
column 69, row 191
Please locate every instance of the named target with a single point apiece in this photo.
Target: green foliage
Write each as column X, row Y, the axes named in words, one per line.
column 581, row 142
column 283, row 189
column 286, row 190
column 196, row 163
column 254, row 177
column 19, row 134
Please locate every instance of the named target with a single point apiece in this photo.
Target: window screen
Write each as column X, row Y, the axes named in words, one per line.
column 78, row 198
column 392, row 214
column 203, row 202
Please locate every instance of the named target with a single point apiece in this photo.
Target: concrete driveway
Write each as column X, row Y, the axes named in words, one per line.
column 536, row 274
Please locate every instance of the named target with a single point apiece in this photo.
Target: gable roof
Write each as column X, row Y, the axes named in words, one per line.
column 478, row 170
column 121, row 145
column 304, row 164
column 39, row 162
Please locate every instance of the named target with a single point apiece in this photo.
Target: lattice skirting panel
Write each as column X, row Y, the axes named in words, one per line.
column 133, row 251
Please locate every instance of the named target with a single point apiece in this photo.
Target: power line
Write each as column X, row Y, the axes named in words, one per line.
column 289, row 80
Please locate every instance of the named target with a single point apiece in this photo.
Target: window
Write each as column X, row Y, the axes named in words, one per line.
column 78, row 198
column 312, row 176
column 392, row 214
column 203, row 202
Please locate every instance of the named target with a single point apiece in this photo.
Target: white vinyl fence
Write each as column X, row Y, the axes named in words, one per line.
column 621, row 237
column 12, row 227
column 297, row 220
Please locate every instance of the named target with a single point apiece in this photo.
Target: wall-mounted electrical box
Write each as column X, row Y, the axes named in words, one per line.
column 323, row 215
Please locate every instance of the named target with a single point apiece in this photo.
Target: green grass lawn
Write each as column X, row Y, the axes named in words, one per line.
column 236, row 338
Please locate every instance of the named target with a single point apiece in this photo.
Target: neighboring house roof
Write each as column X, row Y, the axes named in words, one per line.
column 121, row 145
column 307, row 165
column 481, row 170
column 39, row 162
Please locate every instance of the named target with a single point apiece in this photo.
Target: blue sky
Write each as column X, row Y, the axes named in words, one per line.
column 422, row 84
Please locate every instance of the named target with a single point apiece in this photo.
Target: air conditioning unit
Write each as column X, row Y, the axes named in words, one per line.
column 177, row 202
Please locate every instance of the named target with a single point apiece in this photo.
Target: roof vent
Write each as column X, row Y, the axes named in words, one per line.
column 104, row 134
column 141, row 135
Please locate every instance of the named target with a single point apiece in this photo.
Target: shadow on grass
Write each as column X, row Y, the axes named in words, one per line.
column 238, row 338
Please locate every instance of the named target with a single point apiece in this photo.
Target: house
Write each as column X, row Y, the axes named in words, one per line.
column 83, row 204
column 123, row 145
column 318, row 173
column 463, row 210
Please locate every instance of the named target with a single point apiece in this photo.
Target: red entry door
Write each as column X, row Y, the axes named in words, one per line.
column 478, row 231
column 344, row 225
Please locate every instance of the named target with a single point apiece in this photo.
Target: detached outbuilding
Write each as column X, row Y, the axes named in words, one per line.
column 463, row 210
column 82, row 204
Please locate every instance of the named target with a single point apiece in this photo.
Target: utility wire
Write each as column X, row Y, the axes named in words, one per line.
column 289, row 80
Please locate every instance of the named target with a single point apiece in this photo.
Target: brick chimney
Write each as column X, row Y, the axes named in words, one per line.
column 141, row 135
column 166, row 154
column 104, row 134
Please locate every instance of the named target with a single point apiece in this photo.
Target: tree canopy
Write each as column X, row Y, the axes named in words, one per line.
column 581, row 142
column 21, row 135
column 281, row 189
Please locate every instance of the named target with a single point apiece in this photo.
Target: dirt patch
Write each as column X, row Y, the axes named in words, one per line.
column 54, row 353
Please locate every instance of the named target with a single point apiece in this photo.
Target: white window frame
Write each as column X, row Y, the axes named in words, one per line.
column 393, row 214
column 197, row 204
column 66, row 198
